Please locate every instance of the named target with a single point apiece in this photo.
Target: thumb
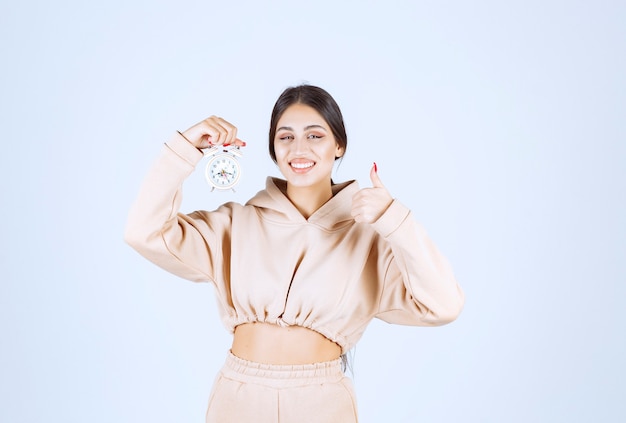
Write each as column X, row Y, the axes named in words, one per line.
column 238, row 143
column 376, row 182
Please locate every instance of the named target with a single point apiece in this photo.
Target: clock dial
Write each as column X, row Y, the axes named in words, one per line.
column 223, row 171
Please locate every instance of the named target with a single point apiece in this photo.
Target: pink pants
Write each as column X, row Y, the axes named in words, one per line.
column 246, row 391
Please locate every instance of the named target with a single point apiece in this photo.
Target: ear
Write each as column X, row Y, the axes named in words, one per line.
column 338, row 151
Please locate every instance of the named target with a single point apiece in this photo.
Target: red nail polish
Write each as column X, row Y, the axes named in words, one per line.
column 375, row 168
column 243, row 143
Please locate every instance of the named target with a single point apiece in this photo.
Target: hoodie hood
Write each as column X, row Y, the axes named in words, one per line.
column 274, row 206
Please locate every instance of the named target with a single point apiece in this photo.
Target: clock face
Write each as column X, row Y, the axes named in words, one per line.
column 223, row 171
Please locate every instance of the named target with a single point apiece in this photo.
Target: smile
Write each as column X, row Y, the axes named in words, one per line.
column 300, row 166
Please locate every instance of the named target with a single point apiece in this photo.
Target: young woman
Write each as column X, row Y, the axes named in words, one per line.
column 299, row 270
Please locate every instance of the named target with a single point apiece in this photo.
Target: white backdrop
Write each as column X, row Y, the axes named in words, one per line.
column 501, row 124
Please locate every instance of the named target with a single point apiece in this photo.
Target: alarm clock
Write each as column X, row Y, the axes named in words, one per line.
column 223, row 170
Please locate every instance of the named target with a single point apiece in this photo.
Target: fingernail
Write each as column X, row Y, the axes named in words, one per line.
column 375, row 168
column 226, row 145
column 243, row 143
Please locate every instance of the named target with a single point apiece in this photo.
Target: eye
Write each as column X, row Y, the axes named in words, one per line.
column 314, row 136
column 285, row 137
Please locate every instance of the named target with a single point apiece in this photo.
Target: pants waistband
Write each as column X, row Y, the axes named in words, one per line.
column 284, row 375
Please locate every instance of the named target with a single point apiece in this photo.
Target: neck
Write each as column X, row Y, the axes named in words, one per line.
column 309, row 199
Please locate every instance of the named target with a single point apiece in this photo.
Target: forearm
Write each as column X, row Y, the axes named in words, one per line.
column 154, row 227
column 426, row 274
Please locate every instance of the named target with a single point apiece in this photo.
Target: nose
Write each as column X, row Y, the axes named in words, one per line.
column 300, row 145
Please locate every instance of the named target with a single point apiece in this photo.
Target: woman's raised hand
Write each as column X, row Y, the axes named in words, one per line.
column 368, row 204
column 212, row 131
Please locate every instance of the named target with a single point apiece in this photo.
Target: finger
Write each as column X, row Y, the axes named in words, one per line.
column 231, row 131
column 376, row 182
column 216, row 131
column 356, row 215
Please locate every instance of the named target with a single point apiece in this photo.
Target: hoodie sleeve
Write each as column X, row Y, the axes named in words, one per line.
column 189, row 246
column 419, row 287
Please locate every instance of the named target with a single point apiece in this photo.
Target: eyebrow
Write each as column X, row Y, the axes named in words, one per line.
column 306, row 128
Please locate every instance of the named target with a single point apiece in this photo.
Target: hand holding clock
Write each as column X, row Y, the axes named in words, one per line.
column 213, row 131
column 218, row 140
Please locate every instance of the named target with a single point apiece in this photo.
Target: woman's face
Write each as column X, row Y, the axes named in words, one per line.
column 305, row 147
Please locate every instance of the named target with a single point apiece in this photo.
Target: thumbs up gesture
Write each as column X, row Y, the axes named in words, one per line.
column 368, row 204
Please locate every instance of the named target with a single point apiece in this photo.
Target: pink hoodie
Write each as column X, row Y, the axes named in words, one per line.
column 270, row 264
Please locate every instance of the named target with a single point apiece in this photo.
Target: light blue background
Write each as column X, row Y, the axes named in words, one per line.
column 501, row 124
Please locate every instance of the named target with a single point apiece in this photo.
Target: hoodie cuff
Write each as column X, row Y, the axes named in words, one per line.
column 391, row 219
column 184, row 149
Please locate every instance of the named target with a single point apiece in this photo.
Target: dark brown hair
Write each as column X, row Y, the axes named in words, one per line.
column 318, row 99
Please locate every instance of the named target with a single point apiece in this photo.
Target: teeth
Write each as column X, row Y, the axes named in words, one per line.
column 302, row 165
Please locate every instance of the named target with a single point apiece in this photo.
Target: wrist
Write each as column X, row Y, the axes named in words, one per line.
column 186, row 138
column 180, row 145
